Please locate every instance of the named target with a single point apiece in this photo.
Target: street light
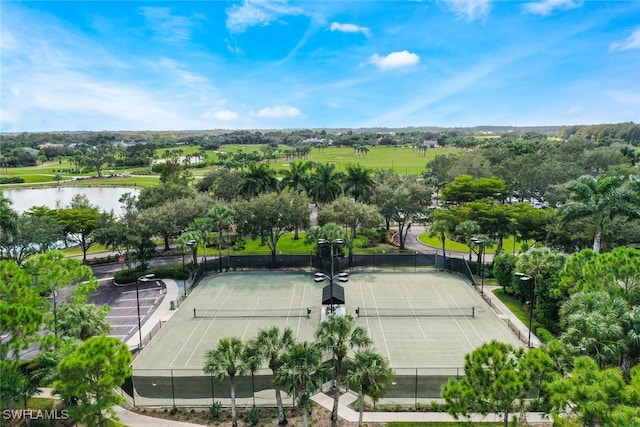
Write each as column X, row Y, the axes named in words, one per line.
column 524, row 278
column 480, row 243
column 146, row 278
column 341, row 277
column 190, row 243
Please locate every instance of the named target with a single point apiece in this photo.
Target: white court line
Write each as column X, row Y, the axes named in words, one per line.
column 467, row 319
column 375, row 304
column 246, row 328
column 417, row 320
column 454, row 319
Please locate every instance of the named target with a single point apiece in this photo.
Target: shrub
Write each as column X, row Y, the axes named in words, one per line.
column 253, row 416
column 215, row 409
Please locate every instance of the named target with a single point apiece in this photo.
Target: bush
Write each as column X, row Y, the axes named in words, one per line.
column 253, row 416
column 215, row 409
column 11, row 180
column 504, row 265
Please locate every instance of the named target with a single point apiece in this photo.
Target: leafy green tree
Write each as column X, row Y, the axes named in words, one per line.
column 227, row 360
column 33, row 234
column 465, row 188
column 271, row 215
column 598, row 201
column 8, row 218
column 368, row 372
column 160, row 194
column 80, row 224
column 529, row 223
column 403, row 201
column 272, row 344
column 301, row 374
column 100, row 155
column 593, row 396
column 87, row 378
column 339, row 334
column 497, row 379
column 504, row 266
column 358, row 183
column 351, row 215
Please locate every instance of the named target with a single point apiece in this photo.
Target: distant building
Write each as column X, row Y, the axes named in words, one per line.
column 430, row 144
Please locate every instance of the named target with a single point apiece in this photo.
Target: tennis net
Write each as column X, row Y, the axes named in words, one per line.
column 416, row 312
column 212, row 313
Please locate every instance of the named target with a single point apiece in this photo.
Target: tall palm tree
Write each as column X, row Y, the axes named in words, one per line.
column 325, row 184
column 271, row 345
column 297, row 176
column 227, row 360
column 368, row 371
column 201, row 227
column 222, row 218
column 339, row 334
column 598, row 200
column 259, row 178
column 82, row 321
column 301, row 373
column 358, row 183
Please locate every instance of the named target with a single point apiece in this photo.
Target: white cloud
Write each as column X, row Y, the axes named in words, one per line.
column 350, row 28
column 546, row 7
column 252, row 13
column 222, row 115
column 170, row 27
column 631, row 98
column 395, row 60
column 471, row 9
column 631, row 42
column 279, row 111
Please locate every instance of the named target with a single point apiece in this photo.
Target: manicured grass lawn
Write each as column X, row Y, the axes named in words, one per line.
column 454, row 246
column 513, row 305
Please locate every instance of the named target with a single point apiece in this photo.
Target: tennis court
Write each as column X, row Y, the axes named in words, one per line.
column 416, row 320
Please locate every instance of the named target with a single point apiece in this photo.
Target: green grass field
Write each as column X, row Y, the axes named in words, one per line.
column 403, row 160
column 451, row 245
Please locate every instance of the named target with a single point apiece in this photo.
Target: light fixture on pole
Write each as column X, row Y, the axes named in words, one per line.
column 341, row 277
column 146, row 278
column 525, row 278
column 190, row 244
column 481, row 244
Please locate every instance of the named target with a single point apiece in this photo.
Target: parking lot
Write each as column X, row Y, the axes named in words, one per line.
column 124, row 300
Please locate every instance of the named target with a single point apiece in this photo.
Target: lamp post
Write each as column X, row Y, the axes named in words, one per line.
column 341, row 277
column 524, row 278
column 480, row 243
column 145, row 279
column 190, row 243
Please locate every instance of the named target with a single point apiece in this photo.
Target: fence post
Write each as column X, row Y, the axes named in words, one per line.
column 133, row 391
column 173, row 390
column 416, row 390
column 253, row 389
column 213, row 393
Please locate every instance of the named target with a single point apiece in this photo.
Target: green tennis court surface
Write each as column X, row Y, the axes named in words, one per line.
column 424, row 320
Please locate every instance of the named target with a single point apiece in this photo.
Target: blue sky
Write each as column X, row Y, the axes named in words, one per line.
column 174, row 65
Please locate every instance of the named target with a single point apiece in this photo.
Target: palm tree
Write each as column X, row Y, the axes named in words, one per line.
column 594, row 323
column 368, row 371
column 201, row 227
column 222, row 218
column 339, row 334
column 82, row 321
column 301, row 373
column 598, row 200
column 258, row 179
column 297, row 176
column 325, row 184
column 442, row 229
column 271, row 345
column 358, row 183
column 227, row 360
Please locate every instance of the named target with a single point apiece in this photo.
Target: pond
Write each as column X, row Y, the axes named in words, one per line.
column 58, row 197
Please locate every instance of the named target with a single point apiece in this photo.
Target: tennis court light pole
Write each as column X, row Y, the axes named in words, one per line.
column 190, row 243
column 145, row 279
column 481, row 244
column 525, row 278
